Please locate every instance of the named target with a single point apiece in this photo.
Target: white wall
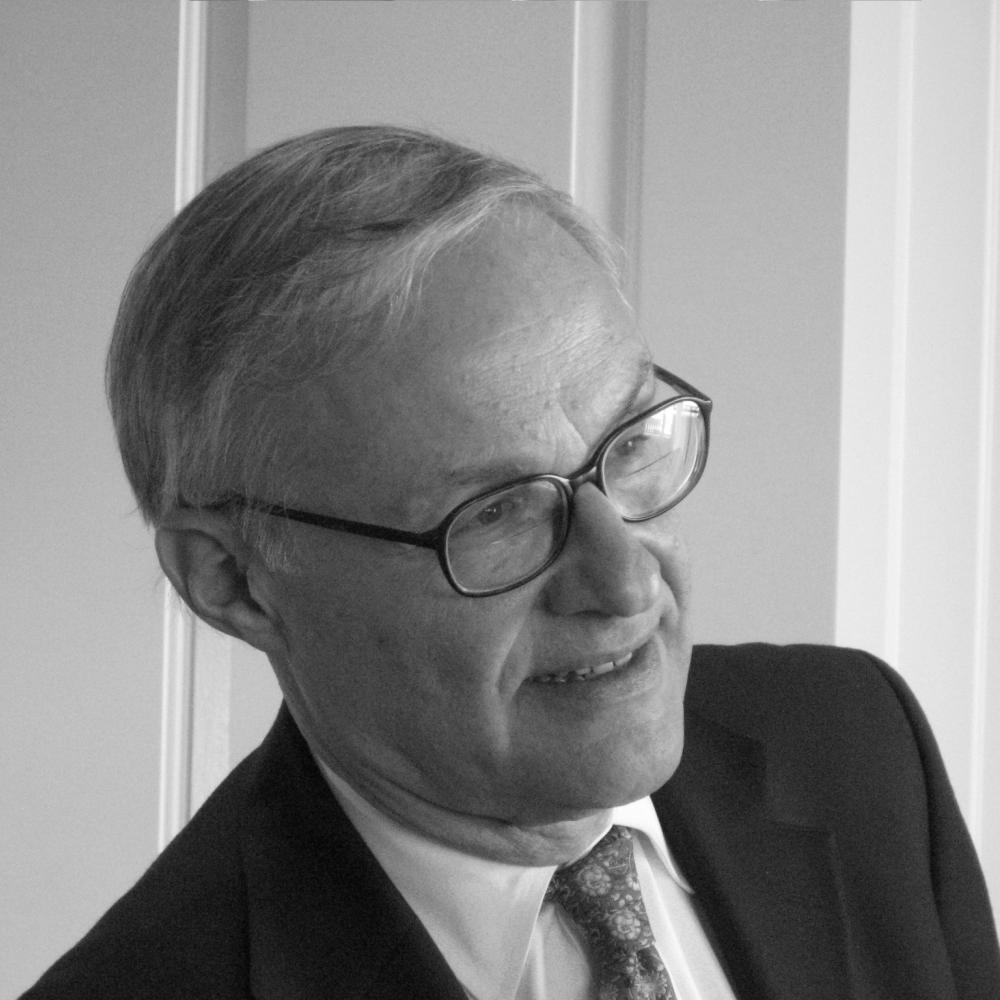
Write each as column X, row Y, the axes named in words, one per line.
column 86, row 115
column 741, row 283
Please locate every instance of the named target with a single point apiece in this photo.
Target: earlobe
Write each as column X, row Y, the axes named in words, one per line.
column 209, row 566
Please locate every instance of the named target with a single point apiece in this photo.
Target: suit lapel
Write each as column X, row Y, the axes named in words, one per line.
column 768, row 890
column 323, row 918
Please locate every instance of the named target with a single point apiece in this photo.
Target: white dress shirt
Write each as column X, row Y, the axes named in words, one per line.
column 502, row 940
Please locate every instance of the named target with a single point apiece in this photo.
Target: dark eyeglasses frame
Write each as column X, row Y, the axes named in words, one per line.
column 436, row 537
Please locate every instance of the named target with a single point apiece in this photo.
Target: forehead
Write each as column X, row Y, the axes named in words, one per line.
column 519, row 354
column 519, row 311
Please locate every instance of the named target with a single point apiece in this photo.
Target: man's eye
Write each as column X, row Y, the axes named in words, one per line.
column 496, row 511
column 632, row 448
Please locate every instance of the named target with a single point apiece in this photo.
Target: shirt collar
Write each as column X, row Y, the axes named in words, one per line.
column 480, row 913
column 640, row 817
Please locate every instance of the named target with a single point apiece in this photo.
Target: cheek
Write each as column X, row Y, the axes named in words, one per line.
column 405, row 639
column 665, row 539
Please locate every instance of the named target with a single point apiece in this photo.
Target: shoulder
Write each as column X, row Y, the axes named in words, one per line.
column 759, row 689
column 837, row 726
column 832, row 741
column 764, row 662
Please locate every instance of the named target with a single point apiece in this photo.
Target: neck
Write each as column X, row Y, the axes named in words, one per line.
column 530, row 845
column 553, row 842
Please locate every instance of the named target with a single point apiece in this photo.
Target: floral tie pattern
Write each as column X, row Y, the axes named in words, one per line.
column 601, row 893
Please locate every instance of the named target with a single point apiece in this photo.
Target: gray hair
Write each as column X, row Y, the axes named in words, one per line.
column 307, row 252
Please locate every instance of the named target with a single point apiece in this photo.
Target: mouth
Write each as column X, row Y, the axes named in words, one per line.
column 585, row 674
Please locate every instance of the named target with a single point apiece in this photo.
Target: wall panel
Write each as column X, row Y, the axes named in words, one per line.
column 492, row 74
column 87, row 116
column 918, row 571
column 741, row 283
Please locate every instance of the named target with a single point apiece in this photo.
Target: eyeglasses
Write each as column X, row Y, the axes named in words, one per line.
column 506, row 536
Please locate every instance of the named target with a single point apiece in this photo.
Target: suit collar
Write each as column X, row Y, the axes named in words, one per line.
column 323, row 919
column 768, row 887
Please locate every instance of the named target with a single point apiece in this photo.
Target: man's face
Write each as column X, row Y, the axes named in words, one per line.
column 521, row 358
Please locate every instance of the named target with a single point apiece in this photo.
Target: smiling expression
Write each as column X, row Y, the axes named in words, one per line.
column 555, row 699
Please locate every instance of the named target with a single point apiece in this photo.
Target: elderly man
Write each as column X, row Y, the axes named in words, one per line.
column 391, row 417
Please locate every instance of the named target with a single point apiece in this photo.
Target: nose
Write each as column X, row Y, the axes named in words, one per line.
column 604, row 567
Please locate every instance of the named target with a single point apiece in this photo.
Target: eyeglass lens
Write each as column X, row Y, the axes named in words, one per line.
column 507, row 536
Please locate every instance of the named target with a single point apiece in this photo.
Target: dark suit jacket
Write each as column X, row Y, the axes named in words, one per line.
column 810, row 813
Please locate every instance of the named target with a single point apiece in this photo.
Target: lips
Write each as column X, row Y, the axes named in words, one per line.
column 584, row 674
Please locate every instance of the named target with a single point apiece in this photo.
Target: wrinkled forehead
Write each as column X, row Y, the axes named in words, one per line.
column 519, row 293
column 520, row 349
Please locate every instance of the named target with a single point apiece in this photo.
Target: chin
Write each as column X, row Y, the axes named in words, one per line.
column 652, row 774
column 645, row 764
column 608, row 784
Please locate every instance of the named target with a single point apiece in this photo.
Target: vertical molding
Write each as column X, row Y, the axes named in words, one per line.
column 192, row 55
column 210, row 711
column 987, row 617
column 175, row 719
column 609, row 70
column 194, row 729
column 919, row 552
column 903, row 173
column 178, row 627
column 876, row 322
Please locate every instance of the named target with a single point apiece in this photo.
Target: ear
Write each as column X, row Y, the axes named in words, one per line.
column 219, row 577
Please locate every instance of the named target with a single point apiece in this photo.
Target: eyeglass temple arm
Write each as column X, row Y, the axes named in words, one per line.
column 687, row 387
column 428, row 539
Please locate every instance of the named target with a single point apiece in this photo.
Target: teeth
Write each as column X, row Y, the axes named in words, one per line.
column 573, row 676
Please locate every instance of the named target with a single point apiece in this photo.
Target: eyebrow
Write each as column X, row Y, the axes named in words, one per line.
column 631, row 403
column 501, row 472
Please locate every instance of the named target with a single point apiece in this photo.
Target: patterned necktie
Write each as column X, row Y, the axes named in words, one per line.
column 601, row 893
